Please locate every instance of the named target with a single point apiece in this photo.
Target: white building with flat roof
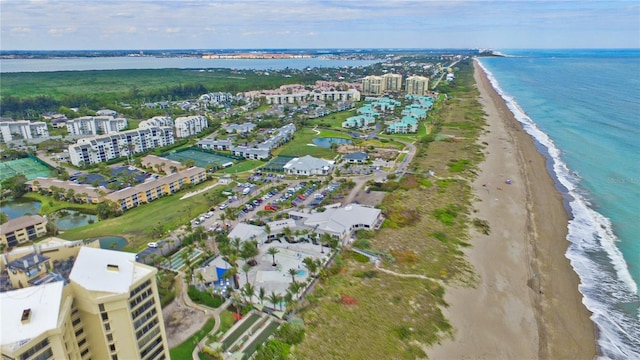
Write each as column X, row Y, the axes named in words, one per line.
column 23, row 130
column 190, row 125
column 96, row 125
column 106, row 147
column 156, row 121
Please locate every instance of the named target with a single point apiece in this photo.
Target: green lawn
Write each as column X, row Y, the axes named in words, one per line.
column 184, row 350
column 299, row 146
column 49, row 205
column 135, row 225
column 334, row 120
column 242, row 167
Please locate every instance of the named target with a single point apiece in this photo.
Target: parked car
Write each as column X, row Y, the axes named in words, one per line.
column 152, row 244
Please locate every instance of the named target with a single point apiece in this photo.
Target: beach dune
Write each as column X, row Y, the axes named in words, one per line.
column 526, row 303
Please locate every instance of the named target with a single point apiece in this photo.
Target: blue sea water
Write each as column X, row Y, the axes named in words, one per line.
column 583, row 108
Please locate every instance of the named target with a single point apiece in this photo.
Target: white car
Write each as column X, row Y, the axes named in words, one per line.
column 223, row 206
column 152, row 244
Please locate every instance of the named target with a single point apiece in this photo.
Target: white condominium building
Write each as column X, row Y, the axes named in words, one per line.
column 109, row 310
column 417, row 85
column 190, row 125
column 156, row 121
column 95, row 125
column 106, row 147
column 23, row 129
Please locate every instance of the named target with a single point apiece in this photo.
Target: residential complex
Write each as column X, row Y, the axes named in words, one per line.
column 263, row 150
column 95, row 125
column 411, row 115
column 378, row 85
column 190, row 125
column 107, row 308
column 417, row 85
column 156, row 121
column 148, row 191
column 23, row 130
column 23, row 229
column 106, row 147
column 304, row 96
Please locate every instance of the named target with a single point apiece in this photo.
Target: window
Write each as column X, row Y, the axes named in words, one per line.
column 112, row 347
column 107, row 327
column 101, row 307
column 109, row 337
column 105, row 316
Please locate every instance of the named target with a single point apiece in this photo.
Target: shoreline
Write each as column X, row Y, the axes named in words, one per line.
column 527, row 305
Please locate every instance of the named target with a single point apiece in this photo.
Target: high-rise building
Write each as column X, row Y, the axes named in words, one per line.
column 190, row 125
column 106, row 147
column 392, row 82
column 23, row 129
column 109, row 310
column 417, row 85
column 96, row 125
column 373, row 85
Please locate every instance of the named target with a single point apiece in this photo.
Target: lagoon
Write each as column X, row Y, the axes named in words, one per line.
column 72, row 219
column 149, row 62
column 20, row 207
column 326, row 142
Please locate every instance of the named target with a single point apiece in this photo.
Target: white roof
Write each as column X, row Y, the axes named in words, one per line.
column 44, row 302
column 341, row 219
column 246, row 232
column 308, row 163
column 107, row 270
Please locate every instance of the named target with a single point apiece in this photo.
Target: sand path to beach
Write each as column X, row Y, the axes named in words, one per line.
column 526, row 304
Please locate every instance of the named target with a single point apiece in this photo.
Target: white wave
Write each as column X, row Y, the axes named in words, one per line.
column 590, row 233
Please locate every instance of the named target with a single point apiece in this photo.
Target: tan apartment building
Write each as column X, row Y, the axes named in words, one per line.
column 109, row 310
column 148, row 191
column 417, row 85
column 23, row 229
column 392, row 82
column 373, row 85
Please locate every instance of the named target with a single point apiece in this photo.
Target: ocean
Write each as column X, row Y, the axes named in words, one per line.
column 583, row 109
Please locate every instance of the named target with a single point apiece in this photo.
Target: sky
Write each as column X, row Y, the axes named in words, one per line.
column 277, row 24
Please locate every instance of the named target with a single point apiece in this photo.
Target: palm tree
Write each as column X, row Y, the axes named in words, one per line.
column 236, row 301
column 262, row 294
column 324, row 238
column 245, row 268
column 232, row 273
column 310, row 264
column 273, row 251
column 287, row 233
column 275, row 299
column 293, row 272
column 248, row 290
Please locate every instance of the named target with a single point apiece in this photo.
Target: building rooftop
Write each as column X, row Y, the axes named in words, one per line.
column 27, row 262
column 21, row 223
column 247, row 232
column 308, row 163
column 107, row 270
column 27, row 313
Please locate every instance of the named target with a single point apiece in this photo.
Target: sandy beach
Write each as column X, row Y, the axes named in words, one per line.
column 526, row 303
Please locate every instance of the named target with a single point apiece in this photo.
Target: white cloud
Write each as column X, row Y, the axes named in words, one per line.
column 21, row 30
column 172, row 30
column 61, row 31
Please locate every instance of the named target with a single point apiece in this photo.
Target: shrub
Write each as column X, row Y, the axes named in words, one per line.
column 204, row 298
column 482, row 226
column 291, row 332
column 447, row 215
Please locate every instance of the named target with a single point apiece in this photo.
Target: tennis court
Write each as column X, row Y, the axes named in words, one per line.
column 277, row 164
column 201, row 158
column 30, row 167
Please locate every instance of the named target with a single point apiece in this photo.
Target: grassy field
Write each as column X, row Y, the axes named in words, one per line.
column 246, row 165
column 184, row 350
column 334, row 120
column 426, row 229
column 135, row 225
column 299, row 146
column 112, row 83
column 49, row 205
